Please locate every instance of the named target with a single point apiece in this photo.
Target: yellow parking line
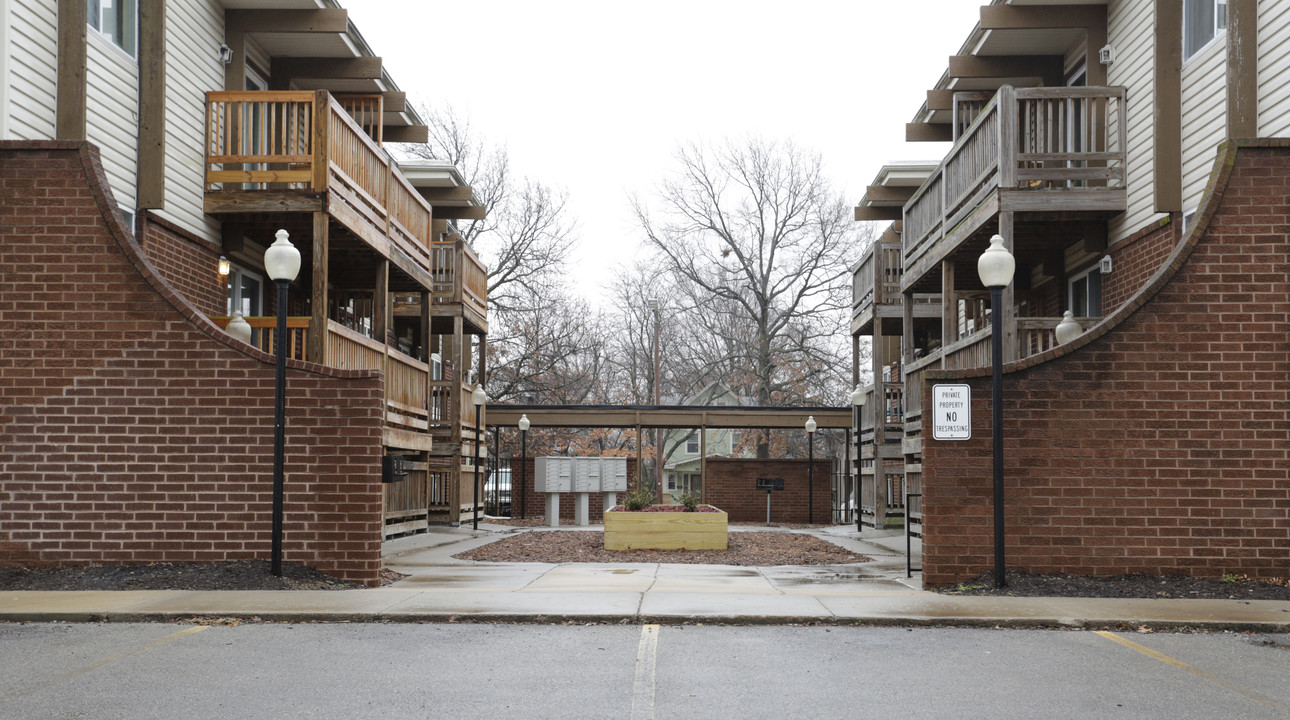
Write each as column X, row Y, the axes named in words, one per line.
column 1203, row 674
column 71, row 674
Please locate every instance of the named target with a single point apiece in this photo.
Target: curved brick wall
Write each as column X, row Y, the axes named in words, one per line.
column 131, row 429
column 1157, row 442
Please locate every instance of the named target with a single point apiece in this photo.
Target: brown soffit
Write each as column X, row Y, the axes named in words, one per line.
column 330, row 20
column 1041, row 17
column 929, row 132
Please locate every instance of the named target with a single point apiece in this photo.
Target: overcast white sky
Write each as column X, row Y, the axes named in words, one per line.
column 594, row 97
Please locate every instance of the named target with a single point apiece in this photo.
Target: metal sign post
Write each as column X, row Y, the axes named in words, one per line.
column 769, row 485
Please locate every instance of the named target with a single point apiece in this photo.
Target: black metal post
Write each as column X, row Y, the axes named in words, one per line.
column 475, row 501
column 810, row 478
column 523, row 473
column 996, row 333
column 279, row 428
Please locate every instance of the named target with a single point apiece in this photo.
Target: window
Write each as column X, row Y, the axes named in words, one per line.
column 1203, row 20
column 117, row 20
column 244, row 292
column 692, row 445
column 671, row 483
column 1085, row 293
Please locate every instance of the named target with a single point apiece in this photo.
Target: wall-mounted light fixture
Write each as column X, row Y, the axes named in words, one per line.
column 1105, row 266
column 223, row 266
column 1106, row 55
column 225, row 54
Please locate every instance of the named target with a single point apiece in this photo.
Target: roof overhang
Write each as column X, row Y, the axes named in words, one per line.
column 313, row 45
column 1021, row 43
column 891, row 189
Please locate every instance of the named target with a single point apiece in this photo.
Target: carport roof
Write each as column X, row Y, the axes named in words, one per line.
column 668, row 416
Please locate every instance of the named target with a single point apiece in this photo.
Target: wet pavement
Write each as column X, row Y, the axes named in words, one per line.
column 439, row 588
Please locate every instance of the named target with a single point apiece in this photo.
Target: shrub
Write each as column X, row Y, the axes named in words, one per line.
column 641, row 497
column 689, row 500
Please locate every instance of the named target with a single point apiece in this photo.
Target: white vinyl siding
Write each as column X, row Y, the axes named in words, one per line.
column 1204, row 118
column 5, row 11
column 32, row 69
column 194, row 32
column 1130, row 30
column 1274, row 68
column 112, row 114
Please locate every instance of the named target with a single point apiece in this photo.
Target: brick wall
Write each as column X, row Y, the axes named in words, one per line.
column 731, row 486
column 131, row 430
column 1156, row 443
column 188, row 263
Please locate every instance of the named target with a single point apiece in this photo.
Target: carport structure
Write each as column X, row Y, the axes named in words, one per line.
column 675, row 417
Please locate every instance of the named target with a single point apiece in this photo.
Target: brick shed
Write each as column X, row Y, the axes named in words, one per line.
column 131, row 429
column 731, row 486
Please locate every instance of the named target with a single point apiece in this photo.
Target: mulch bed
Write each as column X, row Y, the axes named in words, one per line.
column 745, row 548
column 1024, row 584
column 236, row 575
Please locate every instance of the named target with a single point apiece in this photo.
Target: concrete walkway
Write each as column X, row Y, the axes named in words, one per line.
column 440, row 588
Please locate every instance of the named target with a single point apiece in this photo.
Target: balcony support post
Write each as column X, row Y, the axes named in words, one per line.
column 318, row 301
column 949, row 305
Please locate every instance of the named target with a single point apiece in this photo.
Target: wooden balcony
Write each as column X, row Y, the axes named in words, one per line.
column 272, row 152
column 875, row 289
column 1054, row 151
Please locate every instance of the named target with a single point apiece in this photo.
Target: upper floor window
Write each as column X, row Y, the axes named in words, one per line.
column 1203, row 20
column 118, row 20
column 692, row 445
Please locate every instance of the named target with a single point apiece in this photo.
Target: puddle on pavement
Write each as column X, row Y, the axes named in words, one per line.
column 831, row 578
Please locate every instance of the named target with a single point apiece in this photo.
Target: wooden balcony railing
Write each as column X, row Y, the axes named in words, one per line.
column 259, row 140
column 406, row 378
column 265, row 329
column 877, row 280
column 1035, row 138
column 458, row 276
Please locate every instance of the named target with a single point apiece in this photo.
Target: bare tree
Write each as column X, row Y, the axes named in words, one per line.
column 542, row 348
column 760, row 241
column 527, row 234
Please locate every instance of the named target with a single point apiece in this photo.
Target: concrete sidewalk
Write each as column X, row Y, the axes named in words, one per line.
column 440, row 588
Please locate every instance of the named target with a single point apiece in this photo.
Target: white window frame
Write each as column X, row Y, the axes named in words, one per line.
column 671, row 482
column 99, row 12
column 692, row 440
column 1070, row 290
column 1215, row 26
column 235, row 274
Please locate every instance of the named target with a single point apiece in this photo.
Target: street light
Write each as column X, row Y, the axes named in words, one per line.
column 478, row 398
column 282, row 263
column 810, row 469
column 857, row 402
column 524, row 433
column 996, row 266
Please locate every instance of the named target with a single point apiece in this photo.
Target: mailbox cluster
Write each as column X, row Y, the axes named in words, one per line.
column 580, row 476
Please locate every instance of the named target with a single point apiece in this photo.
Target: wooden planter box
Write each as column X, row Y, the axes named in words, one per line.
column 666, row 530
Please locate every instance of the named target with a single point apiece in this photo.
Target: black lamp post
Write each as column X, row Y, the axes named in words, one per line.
column 478, row 398
column 810, row 469
column 996, row 266
column 282, row 263
column 524, row 434
column 857, row 403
